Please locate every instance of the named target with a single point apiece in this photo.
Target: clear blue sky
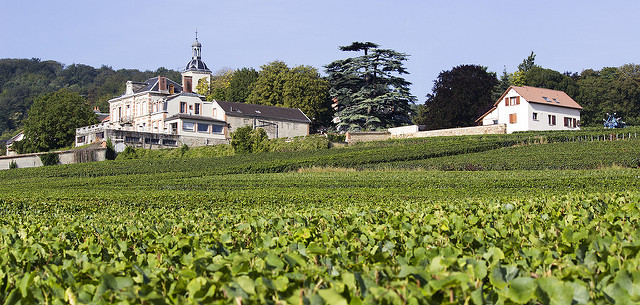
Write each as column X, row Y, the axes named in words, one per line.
column 438, row 35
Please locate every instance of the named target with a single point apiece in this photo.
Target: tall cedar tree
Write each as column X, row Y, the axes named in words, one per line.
column 53, row 118
column 368, row 91
column 459, row 97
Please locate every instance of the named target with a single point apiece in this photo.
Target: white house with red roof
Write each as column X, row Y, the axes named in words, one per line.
column 531, row 108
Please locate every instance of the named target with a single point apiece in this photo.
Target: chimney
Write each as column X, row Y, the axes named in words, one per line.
column 162, row 83
column 187, row 82
column 171, row 90
column 129, row 89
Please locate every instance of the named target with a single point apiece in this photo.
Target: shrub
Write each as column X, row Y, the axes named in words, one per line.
column 111, row 152
column 183, row 149
column 13, row 164
column 247, row 140
column 334, row 137
column 128, row 153
column 49, row 159
column 240, row 140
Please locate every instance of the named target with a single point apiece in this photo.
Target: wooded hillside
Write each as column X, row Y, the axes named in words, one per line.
column 22, row 80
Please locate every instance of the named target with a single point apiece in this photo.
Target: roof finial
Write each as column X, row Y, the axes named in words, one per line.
column 196, row 34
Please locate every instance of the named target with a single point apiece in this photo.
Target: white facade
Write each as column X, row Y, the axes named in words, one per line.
column 529, row 108
column 160, row 111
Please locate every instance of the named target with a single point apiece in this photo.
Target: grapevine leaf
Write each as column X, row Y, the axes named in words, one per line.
column 521, row 289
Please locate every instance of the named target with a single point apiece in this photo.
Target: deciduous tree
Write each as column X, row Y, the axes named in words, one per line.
column 299, row 87
column 53, row 118
column 241, row 85
column 459, row 96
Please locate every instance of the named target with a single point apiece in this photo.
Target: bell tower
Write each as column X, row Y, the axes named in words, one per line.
column 196, row 69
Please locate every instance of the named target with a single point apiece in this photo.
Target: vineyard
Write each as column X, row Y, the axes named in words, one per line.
column 516, row 219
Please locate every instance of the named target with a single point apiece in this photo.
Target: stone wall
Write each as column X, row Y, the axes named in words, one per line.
column 406, row 132
column 64, row 157
column 463, row 131
column 366, row 136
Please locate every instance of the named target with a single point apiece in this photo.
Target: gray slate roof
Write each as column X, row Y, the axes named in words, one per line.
column 196, row 65
column 252, row 110
column 152, row 85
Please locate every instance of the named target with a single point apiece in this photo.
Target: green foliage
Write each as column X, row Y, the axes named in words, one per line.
column 246, row 140
column 183, row 149
column 258, row 139
column 176, row 153
column 336, row 137
column 241, row 140
column 53, row 120
column 459, row 96
column 111, row 152
column 128, row 153
column 368, row 91
column 13, row 165
column 23, row 80
column 300, row 87
column 241, row 85
column 610, row 90
column 311, row 142
column 24, row 146
column 49, row 159
column 3, row 149
column 528, row 63
column 383, row 237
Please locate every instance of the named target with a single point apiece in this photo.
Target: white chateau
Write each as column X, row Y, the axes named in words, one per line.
column 162, row 113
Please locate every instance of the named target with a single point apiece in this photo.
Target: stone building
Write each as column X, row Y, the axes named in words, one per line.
column 160, row 112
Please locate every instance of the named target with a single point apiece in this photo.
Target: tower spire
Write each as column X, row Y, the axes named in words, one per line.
column 196, row 48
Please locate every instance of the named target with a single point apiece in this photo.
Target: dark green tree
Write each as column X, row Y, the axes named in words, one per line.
column 503, row 84
column 368, row 91
column 300, row 87
column 528, row 63
column 53, row 118
column 610, row 90
column 241, row 85
column 459, row 96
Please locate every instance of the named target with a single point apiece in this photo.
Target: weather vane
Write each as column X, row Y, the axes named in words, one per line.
column 196, row 33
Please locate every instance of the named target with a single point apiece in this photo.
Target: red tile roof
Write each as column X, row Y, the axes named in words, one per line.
column 538, row 95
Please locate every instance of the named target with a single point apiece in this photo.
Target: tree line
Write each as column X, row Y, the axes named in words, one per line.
column 366, row 91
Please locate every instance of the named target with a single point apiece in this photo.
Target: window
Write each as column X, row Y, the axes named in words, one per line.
column 513, row 118
column 187, row 126
column 552, row 120
column 183, row 107
column 80, row 139
column 216, row 129
column 203, row 127
column 512, row 101
column 556, row 101
column 570, row 122
column 169, row 142
column 197, row 108
column 535, row 116
column 547, row 99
